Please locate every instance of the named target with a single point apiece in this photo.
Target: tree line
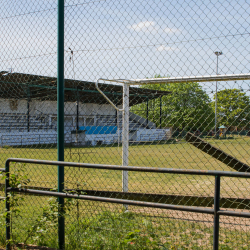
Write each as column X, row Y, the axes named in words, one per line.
column 189, row 107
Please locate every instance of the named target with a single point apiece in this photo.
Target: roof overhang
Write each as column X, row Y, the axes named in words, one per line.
column 28, row 86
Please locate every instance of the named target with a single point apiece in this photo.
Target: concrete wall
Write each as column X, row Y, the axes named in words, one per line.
column 42, row 137
column 13, row 106
column 27, row 138
column 153, row 134
column 50, row 107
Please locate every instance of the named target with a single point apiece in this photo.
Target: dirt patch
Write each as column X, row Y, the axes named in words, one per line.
column 229, row 222
column 34, row 247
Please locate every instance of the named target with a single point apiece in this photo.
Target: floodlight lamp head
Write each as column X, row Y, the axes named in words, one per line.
column 218, row 53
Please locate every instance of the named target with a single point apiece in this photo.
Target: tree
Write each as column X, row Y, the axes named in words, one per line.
column 233, row 108
column 187, row 107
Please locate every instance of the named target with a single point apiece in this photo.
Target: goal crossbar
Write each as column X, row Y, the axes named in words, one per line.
column 207, row 78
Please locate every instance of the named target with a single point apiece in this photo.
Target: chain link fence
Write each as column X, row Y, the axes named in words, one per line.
column 147, row 122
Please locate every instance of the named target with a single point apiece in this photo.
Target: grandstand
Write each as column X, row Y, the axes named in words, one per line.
column 28, row 111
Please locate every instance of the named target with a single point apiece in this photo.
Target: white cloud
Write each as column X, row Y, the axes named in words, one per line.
column 143, row 26
column 151, row 26
column 164, row 48
column 171, row 30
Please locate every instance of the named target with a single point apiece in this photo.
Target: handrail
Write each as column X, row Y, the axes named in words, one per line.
column 132, row 168
column 115, row 200
column 215, row 210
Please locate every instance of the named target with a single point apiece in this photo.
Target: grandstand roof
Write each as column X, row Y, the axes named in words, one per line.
column 23, row 86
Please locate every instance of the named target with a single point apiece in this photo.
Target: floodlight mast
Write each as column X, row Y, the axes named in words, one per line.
column 217, row 53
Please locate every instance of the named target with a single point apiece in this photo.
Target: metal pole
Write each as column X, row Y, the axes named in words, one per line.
column 125, row 138
column 183, row 79
column 60, row 120
column 77, row 111
column 215, row 120
column 116, row 117
column 216, row 215
column 133, row 168
column 160, row 111
column 118, row 128
column 7, row 205
column 217, row 53
column 28, row 109
column 147, row 113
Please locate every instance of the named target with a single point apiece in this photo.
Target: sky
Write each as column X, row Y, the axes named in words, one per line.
column 128, row 38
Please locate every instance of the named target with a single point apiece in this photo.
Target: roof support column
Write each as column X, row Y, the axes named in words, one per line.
column 28, row 109
column 160, row 112
column 77, row 110
column 147, row 113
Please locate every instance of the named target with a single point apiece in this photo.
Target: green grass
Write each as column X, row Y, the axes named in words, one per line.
column 175, row 234
column 179, row 155
column 106, row 226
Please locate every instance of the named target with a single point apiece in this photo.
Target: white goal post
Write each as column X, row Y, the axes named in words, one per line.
column 125, row 109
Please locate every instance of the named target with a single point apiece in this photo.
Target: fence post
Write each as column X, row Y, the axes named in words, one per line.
column 7, row 205
column 60, row 119
column 216, row 209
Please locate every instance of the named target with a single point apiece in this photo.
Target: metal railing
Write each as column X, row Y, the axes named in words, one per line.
column 213, row 211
